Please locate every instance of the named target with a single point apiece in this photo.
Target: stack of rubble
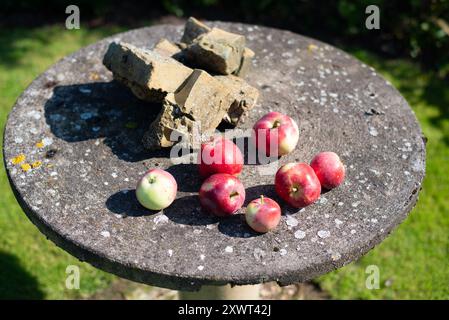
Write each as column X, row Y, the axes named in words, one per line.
column 197, row 81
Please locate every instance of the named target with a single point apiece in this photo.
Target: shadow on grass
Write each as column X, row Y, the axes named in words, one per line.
column 420, row 88
column 437, row 93
column 15, row 282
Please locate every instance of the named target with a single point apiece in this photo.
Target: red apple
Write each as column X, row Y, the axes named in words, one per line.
column 156, row 190
column 297, row 184
column 222, row 194
column 219, row 155
column 275, row 134
column 329, row 169
column 263, row 214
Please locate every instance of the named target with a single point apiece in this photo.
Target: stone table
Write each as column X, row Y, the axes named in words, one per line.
column 80, row 134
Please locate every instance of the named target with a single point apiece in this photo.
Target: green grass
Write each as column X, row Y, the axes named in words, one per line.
column 414, row 259
column 30, row 265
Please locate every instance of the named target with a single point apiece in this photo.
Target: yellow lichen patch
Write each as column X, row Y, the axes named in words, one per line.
column 131, row 125
column 36, row 164
column 18, row 159
column 40, row 144
column 312, row 47
column 25, row 167
column 94, row 76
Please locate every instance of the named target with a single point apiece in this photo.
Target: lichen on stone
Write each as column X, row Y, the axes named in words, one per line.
column 18, row 159
column 25, row 167
column 36, row 164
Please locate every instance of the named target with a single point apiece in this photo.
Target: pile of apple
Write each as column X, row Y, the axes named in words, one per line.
column 223, row 194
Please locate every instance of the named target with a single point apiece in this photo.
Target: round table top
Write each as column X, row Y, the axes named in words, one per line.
column 81, row 134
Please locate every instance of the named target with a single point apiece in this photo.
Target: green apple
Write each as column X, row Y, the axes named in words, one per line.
column 156, row 190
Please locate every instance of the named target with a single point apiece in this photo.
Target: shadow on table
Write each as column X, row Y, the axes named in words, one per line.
column 188, row 174
column 185, row 210
column 236, row 226
column 106, row 110
column 266, row 190
column 125, row 203
column 15, row 282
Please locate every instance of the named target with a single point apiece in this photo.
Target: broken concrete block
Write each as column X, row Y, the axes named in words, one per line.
column 216, row 51
column 246, row 63
column 244, row 98
column 170, row 119
column 201, row 101
column 169, row 49
column 192, row 29
column 148, row 74
column 166, row 48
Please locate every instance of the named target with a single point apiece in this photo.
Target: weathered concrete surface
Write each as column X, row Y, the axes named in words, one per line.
column 82, row 197
column 148, row 74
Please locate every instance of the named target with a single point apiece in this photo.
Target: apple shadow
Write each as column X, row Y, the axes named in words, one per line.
column 125, row 203
column 235, row 226
column 187, row 210
column 266, row 190
column 188, row 174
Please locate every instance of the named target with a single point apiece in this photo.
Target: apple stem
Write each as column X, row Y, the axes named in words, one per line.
column 235, row 193
column 276, row 123
column 261, row 199
column 294, row 189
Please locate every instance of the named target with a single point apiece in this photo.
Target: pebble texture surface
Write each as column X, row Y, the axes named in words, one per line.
column 73, row 154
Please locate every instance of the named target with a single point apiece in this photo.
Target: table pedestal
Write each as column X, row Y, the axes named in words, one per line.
column 248, row 292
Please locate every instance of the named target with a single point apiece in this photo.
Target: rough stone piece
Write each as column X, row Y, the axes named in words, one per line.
column 245, row 64
column 217, row 51
column 148, row 74
column 169, row 119
column 192, row 29
column 202, row 101
column 166, row 48
column 244, row 98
